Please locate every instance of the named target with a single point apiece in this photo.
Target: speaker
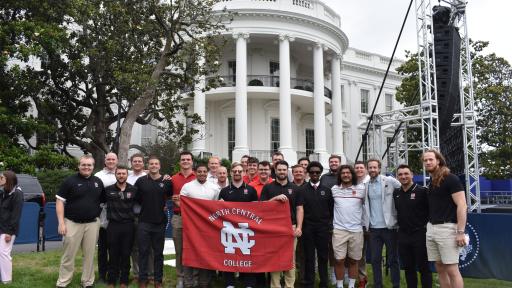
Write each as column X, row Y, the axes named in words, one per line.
column 447, row 60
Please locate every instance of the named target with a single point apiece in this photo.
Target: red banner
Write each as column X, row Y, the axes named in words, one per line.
column 237, row 236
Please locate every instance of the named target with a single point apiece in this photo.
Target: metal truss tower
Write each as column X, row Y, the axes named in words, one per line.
column 425, row 115
column 467, row 117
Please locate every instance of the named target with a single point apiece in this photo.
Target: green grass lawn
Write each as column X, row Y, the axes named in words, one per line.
column 41, row 270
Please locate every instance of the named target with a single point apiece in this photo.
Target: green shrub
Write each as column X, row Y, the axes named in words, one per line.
column 51, row 180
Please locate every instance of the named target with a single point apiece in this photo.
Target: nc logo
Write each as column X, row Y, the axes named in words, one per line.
column 232, row 238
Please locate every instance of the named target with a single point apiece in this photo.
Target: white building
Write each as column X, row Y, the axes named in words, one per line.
column 291, row 83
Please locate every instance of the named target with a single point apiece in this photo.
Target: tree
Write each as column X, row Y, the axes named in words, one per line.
column 106, row 62
column 492, row 85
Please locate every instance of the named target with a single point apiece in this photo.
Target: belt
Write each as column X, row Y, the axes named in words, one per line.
column 83, row 221
column 442, row 222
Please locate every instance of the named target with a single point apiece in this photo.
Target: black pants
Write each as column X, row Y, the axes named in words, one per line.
column 378, row 238
column 120, row 240
column 248, row 279
column 102, row 254
column 317, row 239
column 151, row 236
column 413, row 256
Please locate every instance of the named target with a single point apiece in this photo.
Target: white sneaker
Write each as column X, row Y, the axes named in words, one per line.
column 333, row 276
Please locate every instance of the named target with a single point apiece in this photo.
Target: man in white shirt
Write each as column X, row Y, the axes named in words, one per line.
column 348, row 221
column 222, row 177
column 199, row 188
column 213, row 166
column 108, row 177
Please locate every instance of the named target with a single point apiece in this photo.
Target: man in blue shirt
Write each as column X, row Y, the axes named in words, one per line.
column 382, row 222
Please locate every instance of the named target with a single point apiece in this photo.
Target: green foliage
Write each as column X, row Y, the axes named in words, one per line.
column 93, row 57
column 51, row 179
column 492, row 85
column 168, row 153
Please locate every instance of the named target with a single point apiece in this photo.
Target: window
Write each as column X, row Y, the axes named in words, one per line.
column 365, row 148
column 274, row 73
column 364, row 100
column 310, row 142
column 389, row 102
column 146, row 135
column 232, row 73
column 274, row 135
column 231, row 137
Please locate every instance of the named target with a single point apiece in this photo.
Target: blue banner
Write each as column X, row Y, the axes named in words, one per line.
column 489, row 253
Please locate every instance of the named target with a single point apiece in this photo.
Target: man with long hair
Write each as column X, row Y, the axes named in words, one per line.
column 447, row 214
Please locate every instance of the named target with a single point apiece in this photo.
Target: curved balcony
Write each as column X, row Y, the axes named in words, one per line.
column 270, row 81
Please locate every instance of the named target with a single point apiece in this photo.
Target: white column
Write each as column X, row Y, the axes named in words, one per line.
column 199, row 142
column 337, row 124
column 285, row 101
column 241, row 147
column 319, row 105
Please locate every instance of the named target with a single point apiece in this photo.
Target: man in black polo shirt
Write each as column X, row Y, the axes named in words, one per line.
column 447, row 219
column 77, row 209
column 318, row 212
column 152, row 194
column 283, row 190
column 121, row 227
column 330, row 178
column 238, row 191
column 411, row 204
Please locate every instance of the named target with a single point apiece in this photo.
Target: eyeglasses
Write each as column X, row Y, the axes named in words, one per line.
column 237, row 171
column 315, row 172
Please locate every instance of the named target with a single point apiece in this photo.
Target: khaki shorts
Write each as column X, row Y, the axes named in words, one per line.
column 347, row 243
column 441, row 243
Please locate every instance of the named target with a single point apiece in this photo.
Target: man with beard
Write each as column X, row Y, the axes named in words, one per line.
column 283, row 190
column 318, row 207
column 411, row 205
column 447, row 219
column 120, row 230
column 329, row 179
column 382, row 222
column 238, row 191
column 199, row 188
column 108, row 177
column 347, row 235
column 362, row 179
column 263, row 177
column 152, row 194
column 276, row 157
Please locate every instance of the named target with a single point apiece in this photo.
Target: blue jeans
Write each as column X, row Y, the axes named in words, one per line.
column 378, row 238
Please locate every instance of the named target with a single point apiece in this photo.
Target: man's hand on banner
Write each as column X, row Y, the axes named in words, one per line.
column 281, row 198
column 297, row 232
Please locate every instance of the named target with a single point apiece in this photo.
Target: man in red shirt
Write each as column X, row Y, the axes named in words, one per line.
column 252, row 170
column 185, row 175
column 264, row 177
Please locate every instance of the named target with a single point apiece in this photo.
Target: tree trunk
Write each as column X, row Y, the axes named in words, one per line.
column 140, row 105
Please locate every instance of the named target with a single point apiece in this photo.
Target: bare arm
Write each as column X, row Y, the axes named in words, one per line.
column 460, row 200
column 59, row 210
column 299, row 218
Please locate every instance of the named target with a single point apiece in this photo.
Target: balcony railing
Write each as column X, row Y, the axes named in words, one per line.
column 304, row 84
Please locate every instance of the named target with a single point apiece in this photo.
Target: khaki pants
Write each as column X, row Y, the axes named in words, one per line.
column 84, row 235
column 177, row 237
column 289, row 276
